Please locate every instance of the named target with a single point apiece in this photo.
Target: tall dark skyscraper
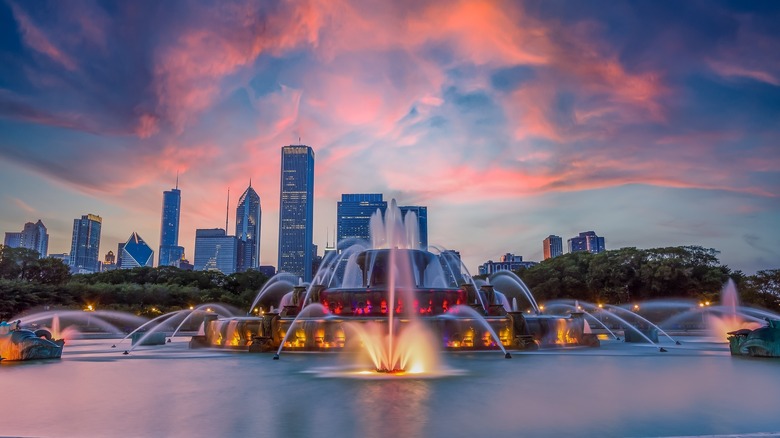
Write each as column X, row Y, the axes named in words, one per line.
column 422, row 222
column 85, row 244
column 33, row 236
column 552, row 246
column 248, row 215
column 354, row 215
column 296, row 211
column 170, row 251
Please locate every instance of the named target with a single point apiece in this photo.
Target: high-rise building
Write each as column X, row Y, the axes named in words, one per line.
column 33, row 236
column 136, row 253
column 170, row 251
column 84, row 257
column 552, row 246
column 296, row 211
column 215, row 251
column 422, row 222
column 248, row 215
column 587, row 241
column 354, row 213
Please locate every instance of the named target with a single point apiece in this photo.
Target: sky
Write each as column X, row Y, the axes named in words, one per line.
column 651, row 123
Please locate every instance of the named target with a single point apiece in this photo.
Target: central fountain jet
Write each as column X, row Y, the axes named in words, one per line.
column 394, row 300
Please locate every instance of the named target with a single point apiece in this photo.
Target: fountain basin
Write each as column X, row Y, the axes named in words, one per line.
column 761, row 342
column 336, row 333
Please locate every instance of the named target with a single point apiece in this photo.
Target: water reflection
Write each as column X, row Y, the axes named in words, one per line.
column 398, row 408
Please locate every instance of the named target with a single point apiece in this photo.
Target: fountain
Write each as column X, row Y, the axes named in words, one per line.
column 393, row 300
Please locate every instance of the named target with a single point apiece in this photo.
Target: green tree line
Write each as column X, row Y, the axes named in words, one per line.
column 629, row 274
column 28, row 282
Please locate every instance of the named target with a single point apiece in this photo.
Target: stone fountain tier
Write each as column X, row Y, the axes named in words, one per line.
column 761, row 342
column 21, row 344
column 515, row 330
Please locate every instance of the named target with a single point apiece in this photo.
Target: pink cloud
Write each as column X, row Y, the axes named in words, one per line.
column 38, row 41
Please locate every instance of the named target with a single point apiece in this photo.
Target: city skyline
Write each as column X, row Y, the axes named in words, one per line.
column 654, row 124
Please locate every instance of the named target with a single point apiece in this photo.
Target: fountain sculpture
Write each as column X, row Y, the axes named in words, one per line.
column 17, row 343
column 391, row 298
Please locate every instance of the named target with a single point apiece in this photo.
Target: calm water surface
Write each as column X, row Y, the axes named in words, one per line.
column 616, row 390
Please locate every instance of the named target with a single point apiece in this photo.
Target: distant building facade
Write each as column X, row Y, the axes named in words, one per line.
column 422, row 222
column 587, row 241
column 296, row 211
column 170, row 252
column 136, row 253
column 215, row 251
column 109, row 261
column 508, row 262
column 552, row 246
column 248, row 216
column 354, row 211
column 85, row 243
column 34, row 236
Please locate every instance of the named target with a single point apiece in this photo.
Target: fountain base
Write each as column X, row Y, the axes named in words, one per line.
column 332, row 333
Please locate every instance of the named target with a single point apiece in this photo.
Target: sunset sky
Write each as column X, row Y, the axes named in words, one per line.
column 651, row 123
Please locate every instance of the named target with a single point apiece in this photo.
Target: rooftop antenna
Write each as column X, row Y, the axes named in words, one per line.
column 177, row 179
column 250, row 181
column 227, row 211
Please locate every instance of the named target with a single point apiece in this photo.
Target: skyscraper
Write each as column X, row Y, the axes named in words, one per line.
column 85, row 244
column 422, row 222
column 136, row 253
column 354, row 213
column 170, row 251
column 215, row 251
column 33, row 236
column 552, row 246
column 248, row 215
column 587, row 241
column 296, row 211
